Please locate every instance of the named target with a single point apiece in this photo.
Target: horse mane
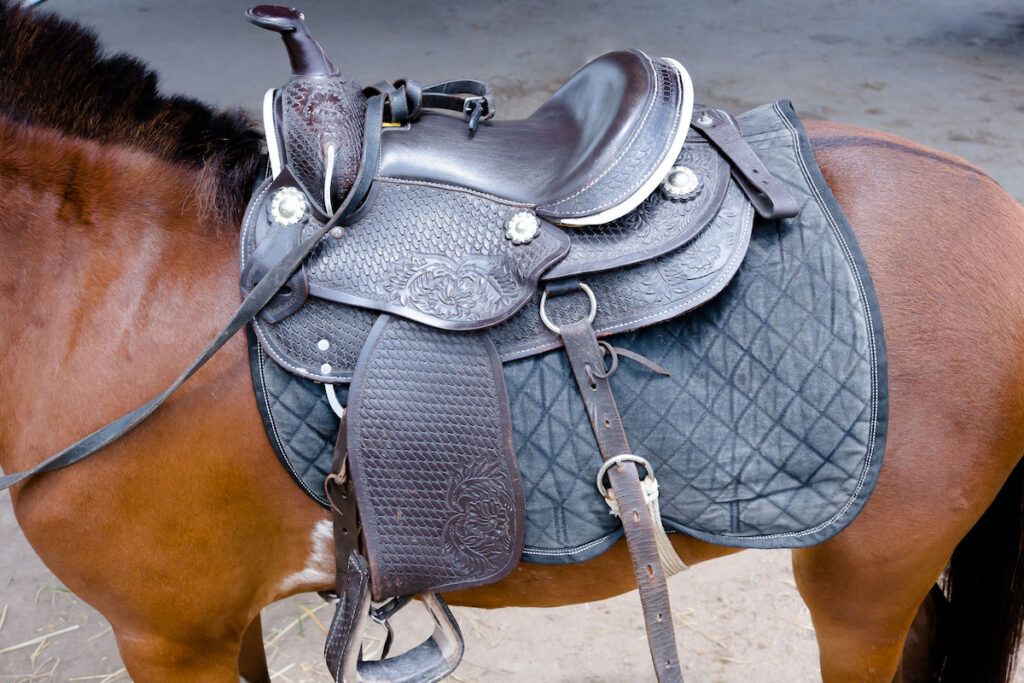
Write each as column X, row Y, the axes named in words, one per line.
column 53, row 73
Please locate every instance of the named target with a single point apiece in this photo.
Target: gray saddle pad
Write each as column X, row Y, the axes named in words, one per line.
column 770, row 431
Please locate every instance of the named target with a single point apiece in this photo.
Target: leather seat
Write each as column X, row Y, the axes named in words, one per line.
column 590, row 154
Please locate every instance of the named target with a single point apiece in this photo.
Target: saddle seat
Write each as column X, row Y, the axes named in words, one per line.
column 588, row 155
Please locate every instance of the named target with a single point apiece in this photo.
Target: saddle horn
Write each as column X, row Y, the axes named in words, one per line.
column 314, row 122
column 305, row 54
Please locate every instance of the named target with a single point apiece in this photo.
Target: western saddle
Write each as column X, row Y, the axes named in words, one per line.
column 442, row 246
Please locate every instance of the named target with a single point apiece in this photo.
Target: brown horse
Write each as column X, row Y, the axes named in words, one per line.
column 118, row 262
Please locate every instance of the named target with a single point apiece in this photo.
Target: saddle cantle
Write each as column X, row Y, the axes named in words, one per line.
column 450, row 248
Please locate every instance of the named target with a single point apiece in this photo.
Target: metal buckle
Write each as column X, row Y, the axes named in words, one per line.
column 472, row 105
column 473, row 109
column 616, row 460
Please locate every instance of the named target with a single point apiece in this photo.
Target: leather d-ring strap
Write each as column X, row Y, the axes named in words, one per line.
column 255, row 300
column 768, row 195
column 587, row 363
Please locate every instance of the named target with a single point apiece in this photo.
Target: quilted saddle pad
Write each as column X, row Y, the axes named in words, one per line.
column 770, row 431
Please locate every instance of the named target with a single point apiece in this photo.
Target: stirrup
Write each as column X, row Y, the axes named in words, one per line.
column 430, row 661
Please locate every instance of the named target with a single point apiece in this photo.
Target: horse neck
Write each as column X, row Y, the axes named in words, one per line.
column 108, row 272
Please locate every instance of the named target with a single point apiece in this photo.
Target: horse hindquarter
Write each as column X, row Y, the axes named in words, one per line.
column 945, row 246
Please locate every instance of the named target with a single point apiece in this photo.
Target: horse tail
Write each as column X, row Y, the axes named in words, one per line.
column 984, row 585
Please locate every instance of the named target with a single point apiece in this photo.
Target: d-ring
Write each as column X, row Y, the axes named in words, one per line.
column 554, row 328
column 618, row 460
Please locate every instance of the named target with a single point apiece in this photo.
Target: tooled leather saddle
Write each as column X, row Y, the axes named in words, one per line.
column 431, row 248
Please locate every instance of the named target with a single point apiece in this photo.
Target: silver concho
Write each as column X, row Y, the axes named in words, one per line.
column 681, row 184
column 521, row 227
column 288, row 206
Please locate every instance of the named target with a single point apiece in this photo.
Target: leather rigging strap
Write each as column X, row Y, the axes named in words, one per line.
column 588, row 367
column 260, row 295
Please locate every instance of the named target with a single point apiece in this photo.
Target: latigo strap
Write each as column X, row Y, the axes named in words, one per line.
column 588, row 367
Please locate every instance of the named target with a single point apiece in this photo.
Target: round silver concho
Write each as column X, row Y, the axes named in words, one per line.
column 681, row 184
column 288, row 206
column 521, row 227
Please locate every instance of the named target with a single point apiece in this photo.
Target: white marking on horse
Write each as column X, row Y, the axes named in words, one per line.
column 319, row 569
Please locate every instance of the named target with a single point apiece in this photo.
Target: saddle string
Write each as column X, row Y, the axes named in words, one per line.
column 328, row 177
column 270, row 132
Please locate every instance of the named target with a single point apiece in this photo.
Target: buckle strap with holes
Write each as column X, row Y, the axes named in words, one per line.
column 405, row 99
column 344, row 512
column 769, row 196
column 586, row 357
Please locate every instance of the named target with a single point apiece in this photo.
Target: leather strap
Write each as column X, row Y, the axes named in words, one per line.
column 768, row 195
column 405, row 99
column 352, row 575
column 586, row 359
column 428, row 413
column 271, row 249
column 344, row 511
column 251, row 305
column 253, row 302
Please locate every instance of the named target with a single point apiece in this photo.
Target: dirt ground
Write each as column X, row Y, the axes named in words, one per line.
column 943, row 73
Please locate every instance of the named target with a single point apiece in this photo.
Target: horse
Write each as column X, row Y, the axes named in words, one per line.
column 118, row 215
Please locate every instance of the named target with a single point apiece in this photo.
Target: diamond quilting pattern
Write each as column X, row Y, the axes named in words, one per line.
column 770, row 430
column 300, row 424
